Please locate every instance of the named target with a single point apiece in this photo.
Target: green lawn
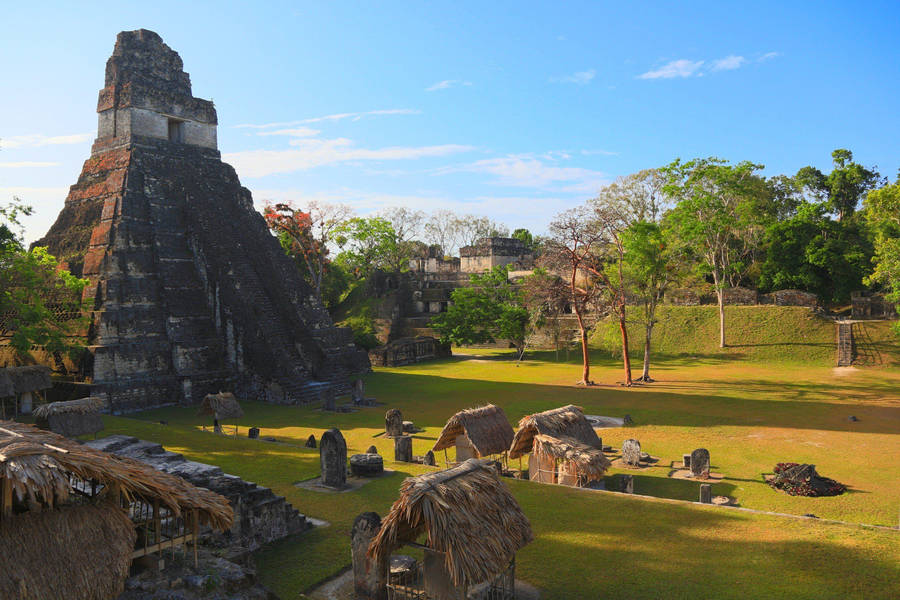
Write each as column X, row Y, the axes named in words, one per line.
column 750, row 415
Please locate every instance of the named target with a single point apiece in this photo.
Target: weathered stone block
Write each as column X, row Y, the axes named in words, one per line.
column 393, row 423
column 333, row 459
column 700, row 463
column 631, row 452
column 403, row 448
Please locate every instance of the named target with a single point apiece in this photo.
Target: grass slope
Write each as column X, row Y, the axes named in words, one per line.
column 596, row 544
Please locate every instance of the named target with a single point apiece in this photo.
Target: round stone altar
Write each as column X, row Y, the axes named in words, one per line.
column 366, row 465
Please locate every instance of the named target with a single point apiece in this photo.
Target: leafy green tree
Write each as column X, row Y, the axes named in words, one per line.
column 844, row 187
column 489, row 309
column 40, row 304
column 650, row 266
column 813, row 252
column 714, row 216
column 524, row 236
column 883, row 216
column 369, row 243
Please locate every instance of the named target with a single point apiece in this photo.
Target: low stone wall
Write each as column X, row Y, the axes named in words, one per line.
column 406, row 351
column 739, row 296
column 866, row 305
column 790, row 298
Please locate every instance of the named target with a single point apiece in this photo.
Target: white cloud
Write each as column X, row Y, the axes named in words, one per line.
column 527, row 171
column 46, row 202
column 36, row 140
column 728, row 63
column 297, row 132
column 310, row 153
column 26, row 164
column 580, row 78
column 446, row 84
column 354, row 116
column 697, row 68
column 675, row 68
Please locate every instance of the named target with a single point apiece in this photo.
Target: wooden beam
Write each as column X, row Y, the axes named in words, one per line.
column 176, row 541
column 195, row 517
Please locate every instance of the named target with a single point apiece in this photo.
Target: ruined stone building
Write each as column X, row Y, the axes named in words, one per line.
column 190, row 294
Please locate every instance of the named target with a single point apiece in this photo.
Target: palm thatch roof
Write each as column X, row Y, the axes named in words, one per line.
column 563, row 422
column 223, row 404
column 465, row 512
column 19, row 380
column 91, row 404
column 590, row 463
column 38, row 464
column 75, row 552
column 486, row 427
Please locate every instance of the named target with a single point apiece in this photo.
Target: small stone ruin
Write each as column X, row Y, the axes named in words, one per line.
column 403, row 448
column 333, row 459
column 253, row 433
column 311, row 441
column 705, row 493
column 803, row 480
column 393, row 423
column 626, row 484
column 372, row 450
column 631, row 452
column 368, row 579
column 366, row 465
column 429, row 459
column 700, row 463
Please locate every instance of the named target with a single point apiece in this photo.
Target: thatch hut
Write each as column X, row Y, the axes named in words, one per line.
column 472, row 528
column 22, row 384
column 221, row 406
column 476, row 433
column 564, row 447
column 70, row 515
column 71, row 418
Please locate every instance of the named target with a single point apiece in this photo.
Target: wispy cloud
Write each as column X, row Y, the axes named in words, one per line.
column 580, row 78
column 528, row 171
column 728, row 63
column 309, row 153
column 353, row 116
column 675, row 68
column 447, row 84
column 297, row 132
column 684, row 68
column 36, row 140
column 24, row 164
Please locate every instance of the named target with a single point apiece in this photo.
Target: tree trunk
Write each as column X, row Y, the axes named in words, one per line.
column 720, row 294
column 648, row 331
column 626, row 357
column 585, row 357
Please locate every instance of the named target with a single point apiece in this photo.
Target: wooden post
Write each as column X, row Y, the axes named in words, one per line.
column 5, row 498
column 156, row 525
column 196, row 527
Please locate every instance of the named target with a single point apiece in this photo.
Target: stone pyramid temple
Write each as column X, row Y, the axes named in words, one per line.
column 190, row 292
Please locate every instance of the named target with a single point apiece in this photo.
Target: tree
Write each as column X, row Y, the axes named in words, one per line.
column 306, row 235
column 372, row 243
column 41, row 304
column 442, row 229
column 524, row 236
column 489, row 309
column 714, row 202
column 813, row 252
column 546, row 298
column 574, row 241
column 883, row 216
column 640, row 196
column 651, row 264
column 844, row 187
column 470, row 229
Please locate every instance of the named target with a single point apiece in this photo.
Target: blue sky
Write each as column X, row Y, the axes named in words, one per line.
column 513, row 110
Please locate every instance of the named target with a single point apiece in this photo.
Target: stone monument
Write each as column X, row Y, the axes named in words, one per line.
column 403, row 448
column 333, row 459
column 188, row 291
column 700, row 463
column 631, row 452
column 368, row 577
column 393, row 423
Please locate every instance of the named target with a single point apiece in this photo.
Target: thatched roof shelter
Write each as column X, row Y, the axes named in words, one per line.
column 565, row 421
column 589, row 461
column 486, row 427
column 71, row 418
column 20, row 380
column 466, row 513
column 223, row 404
column 37, row 464
column 76, row 552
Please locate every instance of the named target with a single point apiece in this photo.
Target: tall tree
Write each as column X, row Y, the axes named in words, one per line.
column 844, row 187
column 640, row 196
column 714, row 200
column 442, row 229
column 651, row 264
column 575, row 239
column 883, row 216
column 305, row 235
column 471, row 229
